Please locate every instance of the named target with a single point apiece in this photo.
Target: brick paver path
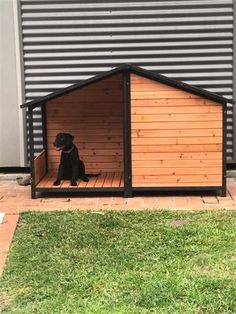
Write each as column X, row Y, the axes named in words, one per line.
column 15, row 199
column 7, row 229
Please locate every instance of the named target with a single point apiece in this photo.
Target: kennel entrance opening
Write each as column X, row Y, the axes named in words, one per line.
column 94, row 115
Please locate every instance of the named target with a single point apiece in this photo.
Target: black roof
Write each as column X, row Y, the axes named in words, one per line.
column 132, row 69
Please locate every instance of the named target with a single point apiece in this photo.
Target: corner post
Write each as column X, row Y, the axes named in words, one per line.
column 127, row 135
column 31, row 144
column 45, row 136
column 224, row 165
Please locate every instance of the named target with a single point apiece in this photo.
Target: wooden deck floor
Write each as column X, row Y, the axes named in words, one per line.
column 106, row 179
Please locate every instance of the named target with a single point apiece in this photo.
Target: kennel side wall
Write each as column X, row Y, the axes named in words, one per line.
column 94, row 115
column 176, row 136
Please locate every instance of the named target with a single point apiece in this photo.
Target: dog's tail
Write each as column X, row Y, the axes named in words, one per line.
column 92, row 174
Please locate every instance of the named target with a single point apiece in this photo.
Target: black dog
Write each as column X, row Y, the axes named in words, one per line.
column 71, row 166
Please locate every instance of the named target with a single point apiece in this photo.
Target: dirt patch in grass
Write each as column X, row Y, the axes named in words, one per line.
column 5, row 300
column 205, row 270
column 181, row 222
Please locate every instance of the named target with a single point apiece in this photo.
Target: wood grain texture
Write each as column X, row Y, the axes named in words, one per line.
column 172, row 102
column 94, row 115
column 40, row 166
column 106, row 179
column 176, row 136
column 176, row 133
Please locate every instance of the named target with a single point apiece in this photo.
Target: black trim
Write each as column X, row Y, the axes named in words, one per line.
column 224, row 157
column 140, row 190
column 67, row 90
column 132, row 69
column 45, row 141
column 31, row 144
column 177, row 188
column 127, row 136
column 79, row 190
column 181, row 85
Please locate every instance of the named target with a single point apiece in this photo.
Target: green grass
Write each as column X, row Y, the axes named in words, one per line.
column 122, row 263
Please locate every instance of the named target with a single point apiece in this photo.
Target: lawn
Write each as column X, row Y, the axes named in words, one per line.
column 122, row 263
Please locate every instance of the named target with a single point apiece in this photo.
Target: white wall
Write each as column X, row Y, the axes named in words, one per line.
column 11, row 124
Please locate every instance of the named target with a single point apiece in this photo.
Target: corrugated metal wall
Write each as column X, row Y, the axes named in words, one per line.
column 69, row 40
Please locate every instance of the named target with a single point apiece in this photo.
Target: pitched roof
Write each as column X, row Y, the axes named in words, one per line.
column 132, row 69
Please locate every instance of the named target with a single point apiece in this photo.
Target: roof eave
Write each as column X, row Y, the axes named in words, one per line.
column 71, row 88
column 181, row 85
column 134, row 69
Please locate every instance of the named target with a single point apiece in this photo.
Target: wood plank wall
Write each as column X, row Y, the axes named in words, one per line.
column 94, row 115
column 39, row 166
column 176, row 136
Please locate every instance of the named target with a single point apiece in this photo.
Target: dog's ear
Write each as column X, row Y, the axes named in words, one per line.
column 69, row 136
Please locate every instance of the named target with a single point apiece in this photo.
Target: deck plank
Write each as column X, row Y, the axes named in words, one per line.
column 43, row 181
column 122, row 180
column 108, row 179
column 50, row 181
column 82, row 184
column 92, row 182
column 100, row 180
column 105, row 179
column 65, row 184
column 116, row 179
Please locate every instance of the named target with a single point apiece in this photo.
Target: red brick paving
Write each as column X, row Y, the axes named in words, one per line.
column 15, row 199
column 210, row 200
column 7, row 230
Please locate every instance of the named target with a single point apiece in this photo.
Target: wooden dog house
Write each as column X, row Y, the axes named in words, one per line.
column 141, row 130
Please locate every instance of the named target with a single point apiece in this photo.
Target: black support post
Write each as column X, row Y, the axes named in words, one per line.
column 45, row 139
column 127, row 135
column 31, row 142
column 224, row 165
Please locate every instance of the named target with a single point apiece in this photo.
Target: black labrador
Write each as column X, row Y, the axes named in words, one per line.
column 71, row 166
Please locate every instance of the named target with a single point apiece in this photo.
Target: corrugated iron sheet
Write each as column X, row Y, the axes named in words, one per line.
column 69, row 40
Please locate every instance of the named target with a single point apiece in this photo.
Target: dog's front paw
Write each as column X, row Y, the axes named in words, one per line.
column 73, row 183
column 57, row 182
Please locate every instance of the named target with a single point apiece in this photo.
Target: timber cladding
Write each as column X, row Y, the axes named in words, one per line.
column 40, row 167
column 141, row 130
column 176, row 136
column 94, row 115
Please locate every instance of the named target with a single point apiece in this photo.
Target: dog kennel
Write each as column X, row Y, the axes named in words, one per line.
column 142, row 131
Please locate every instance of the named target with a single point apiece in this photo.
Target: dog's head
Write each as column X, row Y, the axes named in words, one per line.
column 63, row 141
